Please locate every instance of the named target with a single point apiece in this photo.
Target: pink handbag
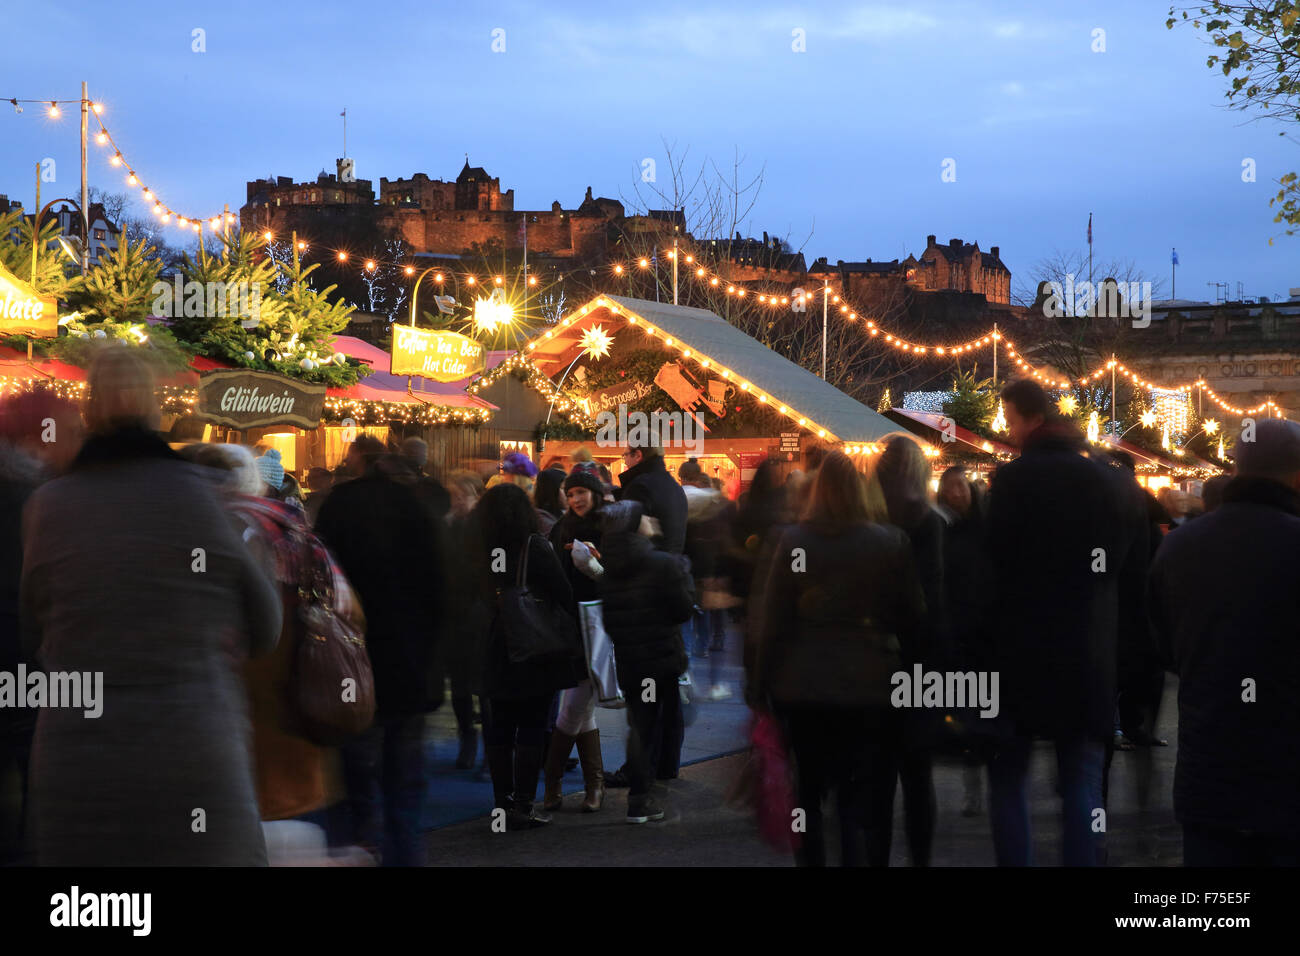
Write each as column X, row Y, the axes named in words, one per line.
column 773, row 784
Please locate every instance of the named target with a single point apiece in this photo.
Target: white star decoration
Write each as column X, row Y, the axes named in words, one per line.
column 595, row 342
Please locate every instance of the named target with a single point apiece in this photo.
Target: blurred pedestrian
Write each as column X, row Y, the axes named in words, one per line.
column 428, row 489
column 709, row 519
column 646, row 480
column 517, row 469
column 133, row 571
column 1060, row 543
column 319, row 482
column 830, row 628
column 904, row 475
column 1225, row 606
column 1212, row 491
column 647, row 596
column 39, row 434
column 391, row 551
column 548, row 498
column 519, row 693
column 468, row 615
column 968, row 585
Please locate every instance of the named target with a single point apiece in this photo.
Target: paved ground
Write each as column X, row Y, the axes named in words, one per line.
column 701, row 830
column 718, row 727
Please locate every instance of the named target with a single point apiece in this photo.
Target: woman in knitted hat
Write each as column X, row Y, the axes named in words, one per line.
column 516, row 468
column 271, row 469
column 576, row 539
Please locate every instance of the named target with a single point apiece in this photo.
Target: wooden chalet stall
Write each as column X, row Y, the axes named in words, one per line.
column 386, row 406
column 720, row 395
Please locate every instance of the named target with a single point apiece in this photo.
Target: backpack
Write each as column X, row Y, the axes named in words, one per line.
column 331, row 686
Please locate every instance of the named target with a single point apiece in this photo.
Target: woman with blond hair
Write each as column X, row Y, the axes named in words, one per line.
column 903, row 473
column 831, row 627
column 132, row 570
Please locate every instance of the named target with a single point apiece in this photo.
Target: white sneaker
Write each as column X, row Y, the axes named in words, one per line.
column 718, row 692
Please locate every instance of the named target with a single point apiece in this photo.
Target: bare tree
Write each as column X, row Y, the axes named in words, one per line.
column 1072, row 327
column 116, row 205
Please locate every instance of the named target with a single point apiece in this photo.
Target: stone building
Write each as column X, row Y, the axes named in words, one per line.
column 432, row 215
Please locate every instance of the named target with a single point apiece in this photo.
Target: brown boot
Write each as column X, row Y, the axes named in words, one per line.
column 561, row 746
column 593, row 770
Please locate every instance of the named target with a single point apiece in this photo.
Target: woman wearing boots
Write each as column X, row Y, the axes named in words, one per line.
column 519, row 694
column 576, row 721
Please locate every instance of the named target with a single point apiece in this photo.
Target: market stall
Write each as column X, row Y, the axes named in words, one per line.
column 703, row 387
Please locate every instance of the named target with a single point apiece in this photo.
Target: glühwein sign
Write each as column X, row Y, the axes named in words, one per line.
column 247, row 399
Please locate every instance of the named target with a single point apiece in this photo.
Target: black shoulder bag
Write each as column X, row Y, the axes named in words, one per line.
column 536, row 630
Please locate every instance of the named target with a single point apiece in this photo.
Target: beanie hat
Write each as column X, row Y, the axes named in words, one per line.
column 585, row 478
column 517, row 463
column 1275, row 450
column 271, row 469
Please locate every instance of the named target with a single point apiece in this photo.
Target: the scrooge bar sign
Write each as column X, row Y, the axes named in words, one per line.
column 246, row 399
column 441, row 356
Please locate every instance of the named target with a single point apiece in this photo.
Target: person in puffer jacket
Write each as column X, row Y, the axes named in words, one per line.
column 647, row 597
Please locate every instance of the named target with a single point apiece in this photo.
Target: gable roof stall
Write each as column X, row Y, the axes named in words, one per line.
column 751, row 402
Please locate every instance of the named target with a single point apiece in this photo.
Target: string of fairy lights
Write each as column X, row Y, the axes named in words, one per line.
column 183, row 399
column 695, row 269
column 103, row 137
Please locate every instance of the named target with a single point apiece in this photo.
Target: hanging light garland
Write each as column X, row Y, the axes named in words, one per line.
column 166, row 214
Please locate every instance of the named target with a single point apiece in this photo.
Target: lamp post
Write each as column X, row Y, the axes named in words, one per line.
column 416, row 290
column 826, row 297
column 36, row 230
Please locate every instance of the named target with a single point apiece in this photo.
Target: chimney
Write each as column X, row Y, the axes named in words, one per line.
column 954, row 243
column 929, row 241
column 993, row 251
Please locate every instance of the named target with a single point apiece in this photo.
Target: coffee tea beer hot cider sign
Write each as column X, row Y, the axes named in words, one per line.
column 23, row 311
column 441, row 356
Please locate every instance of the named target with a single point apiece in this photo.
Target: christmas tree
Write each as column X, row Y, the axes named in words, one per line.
column 121, row 287
column 55, row 261
column 271, row 319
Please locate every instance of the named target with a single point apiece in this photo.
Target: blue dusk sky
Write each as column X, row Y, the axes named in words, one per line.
column 853, row 131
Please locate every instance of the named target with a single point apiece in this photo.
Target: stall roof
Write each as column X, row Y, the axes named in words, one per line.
column 1142, row 455
column 382, row 386
column 935, row 421
column 709, row 336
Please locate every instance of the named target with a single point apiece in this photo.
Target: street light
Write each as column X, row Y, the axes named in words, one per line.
column 36, row 233
column 437, row 278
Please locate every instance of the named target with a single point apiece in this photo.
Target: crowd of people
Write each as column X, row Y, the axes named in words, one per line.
column 179, row 576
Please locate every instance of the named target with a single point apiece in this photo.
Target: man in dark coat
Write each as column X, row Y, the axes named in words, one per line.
column 390, row 549
column 428, row 490
column 1059, row 543
column 646, row 600
column 648, row 483
column 1227, row 611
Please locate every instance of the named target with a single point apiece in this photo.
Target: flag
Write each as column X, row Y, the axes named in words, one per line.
column 1174, row 256
column 345, row 112
column 1089, row 228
